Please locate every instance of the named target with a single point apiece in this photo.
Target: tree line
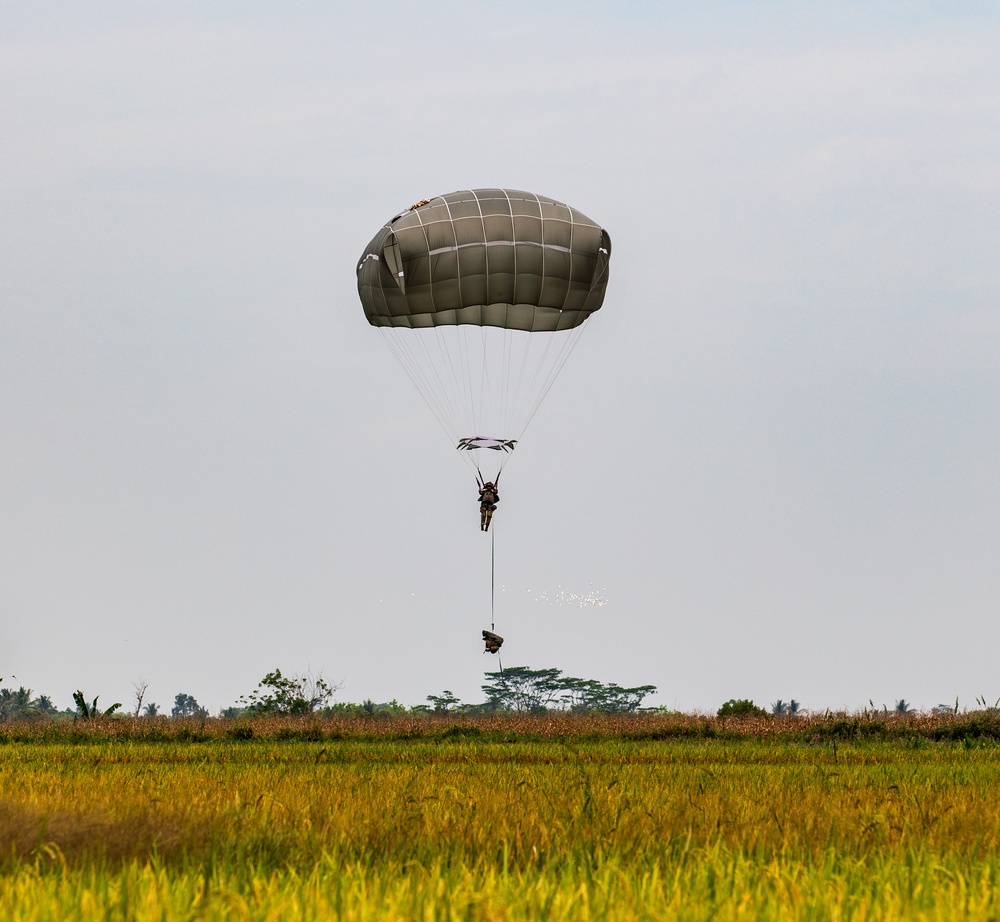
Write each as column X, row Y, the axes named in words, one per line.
column 517, row 689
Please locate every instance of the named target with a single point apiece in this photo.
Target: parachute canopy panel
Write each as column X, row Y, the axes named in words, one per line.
column 485, row 257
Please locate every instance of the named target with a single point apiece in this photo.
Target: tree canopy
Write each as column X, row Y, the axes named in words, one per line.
column 519, row 688
column 295, row 695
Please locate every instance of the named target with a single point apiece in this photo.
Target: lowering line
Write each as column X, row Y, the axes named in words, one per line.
column 493, row 590
column 493, row 641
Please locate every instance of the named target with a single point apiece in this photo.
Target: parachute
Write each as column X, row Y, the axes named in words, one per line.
column 481, row 295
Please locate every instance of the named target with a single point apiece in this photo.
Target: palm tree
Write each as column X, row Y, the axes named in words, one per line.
column 16, row 705
column 779, row 708
column 903, row 706
column 794, row 707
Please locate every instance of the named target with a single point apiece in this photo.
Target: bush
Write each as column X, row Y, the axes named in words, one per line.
column 240, row 732
column 288, row 695
column 742, row 707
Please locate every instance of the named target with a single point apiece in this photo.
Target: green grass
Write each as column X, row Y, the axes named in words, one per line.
column 463, row 826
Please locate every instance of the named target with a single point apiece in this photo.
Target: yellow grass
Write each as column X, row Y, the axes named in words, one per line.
column 466, row 828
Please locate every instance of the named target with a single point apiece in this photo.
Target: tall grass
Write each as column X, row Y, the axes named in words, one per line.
column 713, row 885
column 455, row 827
column 816, row 728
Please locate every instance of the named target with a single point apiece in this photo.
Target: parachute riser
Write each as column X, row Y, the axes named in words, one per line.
column 482, row 480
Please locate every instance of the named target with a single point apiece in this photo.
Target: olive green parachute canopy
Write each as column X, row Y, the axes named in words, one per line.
column 482, row 295
column 489, row 258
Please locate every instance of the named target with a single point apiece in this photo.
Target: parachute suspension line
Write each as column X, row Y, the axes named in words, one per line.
column 486, row 382
column 481, row 400
column 519, row 347
column 475, row 380
column 465, row 401
column 404, row 354
column 445, row 361
column 549, row 379
column 483, row 383
column 526, row 352
column 540, row 370
column 531, row 354
column 504, row 409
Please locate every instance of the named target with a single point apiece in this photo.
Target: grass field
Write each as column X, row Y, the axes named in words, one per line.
column 494, row 819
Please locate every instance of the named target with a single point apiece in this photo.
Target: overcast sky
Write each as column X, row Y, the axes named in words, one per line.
column 773, row 457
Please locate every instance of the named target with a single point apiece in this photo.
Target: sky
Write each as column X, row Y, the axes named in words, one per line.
column 769, row 469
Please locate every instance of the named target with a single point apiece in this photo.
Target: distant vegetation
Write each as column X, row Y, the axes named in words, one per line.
column 742, row 707
column 970, row 729
column 19, row 705
column 518, row 689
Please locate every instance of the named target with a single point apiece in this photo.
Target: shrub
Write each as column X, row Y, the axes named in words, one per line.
column 240, row 732
column 742, row 707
